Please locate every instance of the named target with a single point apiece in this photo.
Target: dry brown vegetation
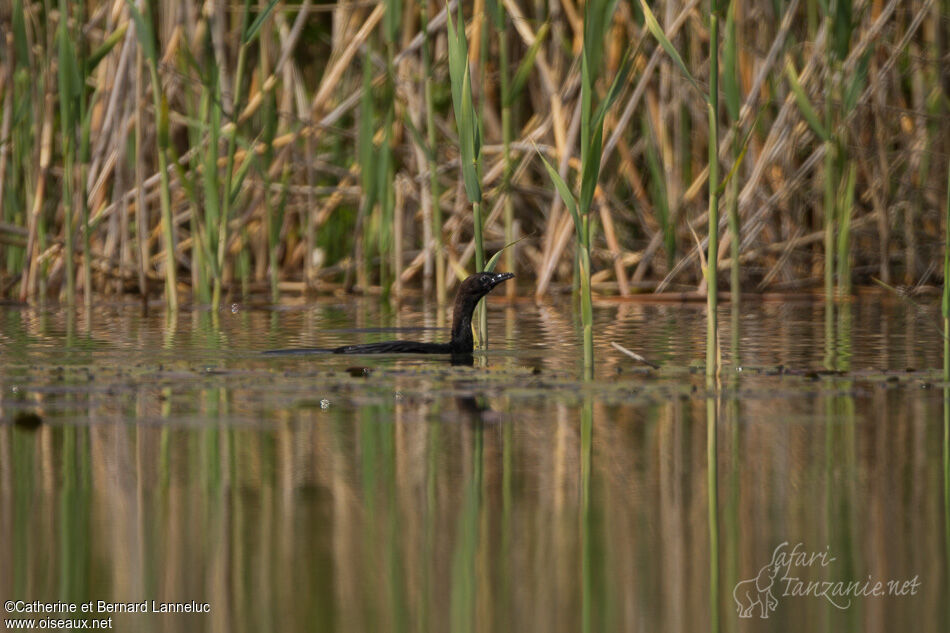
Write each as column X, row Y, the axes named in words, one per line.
column 300, row 149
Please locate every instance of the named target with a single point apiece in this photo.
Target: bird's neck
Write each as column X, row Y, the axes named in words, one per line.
column 462, row 340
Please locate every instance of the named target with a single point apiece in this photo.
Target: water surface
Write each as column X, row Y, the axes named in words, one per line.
column 144, row 459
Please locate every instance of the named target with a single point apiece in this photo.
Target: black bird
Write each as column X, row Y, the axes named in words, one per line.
column 462, row 343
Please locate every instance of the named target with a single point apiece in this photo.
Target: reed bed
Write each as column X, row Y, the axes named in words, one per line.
column 212, row 151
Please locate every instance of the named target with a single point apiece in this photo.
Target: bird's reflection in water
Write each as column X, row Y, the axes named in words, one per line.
column 471, row 405
column 462, row 360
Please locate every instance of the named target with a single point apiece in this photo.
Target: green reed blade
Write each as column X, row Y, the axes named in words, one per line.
column 587, row 126
column 845, row 205
column 804, row 104
column 742, row 149
column 392, row 20
column 597, row 17
column 615, row 87
column 730, row 65
column 564, row 191
column 367, row 150
column 209, row 173
column 145, row 34
column 712, row 291
column 490, row 265
column 384, row 179
column 276, row 220
column 463, row 104
column 590, row 170
column 250, row 159
column 830, row 177
column 858, row 79
column 388, row 250
column 468, row 125
column 658, row 190
column 416, row 136
column 68, row 93
column 258, row 22
column 842, row 26
column 143, row 30
column 105, row 48
column 458, row 55
column 526, row 66
column 69, row 86
column 654, row 27
column 469, row 141
column 21, row 45
column 496, row 9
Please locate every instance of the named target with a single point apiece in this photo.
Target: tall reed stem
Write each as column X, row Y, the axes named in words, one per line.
column 70, row 270
column 945, row 307
column 587, row 304
column 598, row 15
column 479, row 266
column 385, row 186
column 469, row 131
column 712, row 298
column 171, row 278
column 229, row 164
column 731, row 92
column 85, row 125
column 146, row 34
column 67, row 115
column 829, row 237
column 506, row 136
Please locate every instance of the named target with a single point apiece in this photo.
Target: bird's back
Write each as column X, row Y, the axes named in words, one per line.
column 395, row 347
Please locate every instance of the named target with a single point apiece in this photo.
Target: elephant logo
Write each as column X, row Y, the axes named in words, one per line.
column 757, row 591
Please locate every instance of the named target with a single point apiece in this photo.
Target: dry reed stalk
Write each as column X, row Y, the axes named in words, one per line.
column 753, row 255
column 623, row 121
column 414, row 105
column 557, row 239
column 114, row 107
column 348, row 103
column 774, row 145
column 548, row 81
column 335, row 72
column 867, row 38
column 757, row 220
column 771, row 188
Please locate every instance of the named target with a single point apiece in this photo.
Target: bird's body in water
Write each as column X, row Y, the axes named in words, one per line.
column 462, row 342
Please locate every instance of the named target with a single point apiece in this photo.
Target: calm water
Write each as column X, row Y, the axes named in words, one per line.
column 173, row 463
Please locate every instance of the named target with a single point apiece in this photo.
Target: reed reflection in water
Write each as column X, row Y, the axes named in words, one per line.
column 292, row 495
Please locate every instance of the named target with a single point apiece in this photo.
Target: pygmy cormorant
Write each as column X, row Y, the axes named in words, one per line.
column 469, row 294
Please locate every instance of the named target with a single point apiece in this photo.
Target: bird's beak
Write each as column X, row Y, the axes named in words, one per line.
column 497, row 278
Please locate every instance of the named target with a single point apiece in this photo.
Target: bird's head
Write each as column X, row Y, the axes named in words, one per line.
column 480, row 284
